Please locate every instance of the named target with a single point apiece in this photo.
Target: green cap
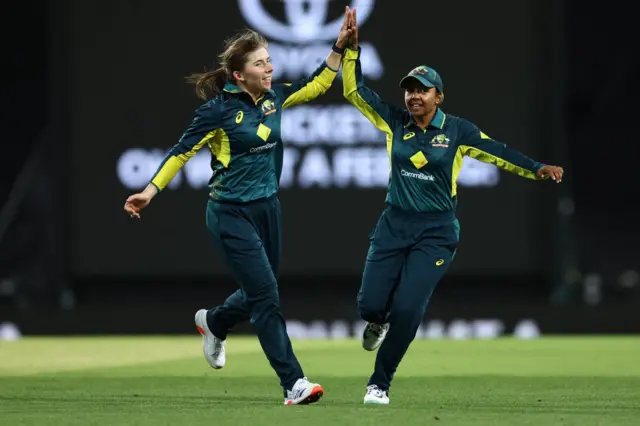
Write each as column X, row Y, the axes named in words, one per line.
column 426, row 76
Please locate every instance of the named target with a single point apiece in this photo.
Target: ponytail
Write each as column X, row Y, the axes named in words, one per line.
column 209, row 84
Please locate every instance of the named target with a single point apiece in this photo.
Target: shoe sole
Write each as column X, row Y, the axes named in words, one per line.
column 369, row 402
column 373, row 348
column 201, row 318
column 315, row 395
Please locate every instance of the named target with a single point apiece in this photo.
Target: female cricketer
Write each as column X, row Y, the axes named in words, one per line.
column 240, row 124
column 416, row 236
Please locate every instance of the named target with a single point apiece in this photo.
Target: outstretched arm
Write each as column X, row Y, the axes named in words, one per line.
column 201, row 131
column 478, row 145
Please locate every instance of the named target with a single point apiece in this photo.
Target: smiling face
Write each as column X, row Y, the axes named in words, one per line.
column 257, row 72
column 419, row 99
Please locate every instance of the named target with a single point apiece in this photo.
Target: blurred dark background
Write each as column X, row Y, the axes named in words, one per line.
column 93, row 95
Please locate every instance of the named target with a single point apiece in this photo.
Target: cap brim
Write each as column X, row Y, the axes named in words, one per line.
column 420, row 79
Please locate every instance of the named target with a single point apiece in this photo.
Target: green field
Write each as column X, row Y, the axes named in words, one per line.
column 166, row 381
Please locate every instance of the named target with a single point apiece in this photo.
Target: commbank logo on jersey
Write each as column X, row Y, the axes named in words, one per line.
column 420, row 176
column 419, row 160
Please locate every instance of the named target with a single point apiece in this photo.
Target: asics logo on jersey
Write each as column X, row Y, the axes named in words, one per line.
column 408, row 136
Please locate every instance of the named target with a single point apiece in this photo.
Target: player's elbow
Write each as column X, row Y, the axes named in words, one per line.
column 350, row 97
column 322, row 89
column 349, row 92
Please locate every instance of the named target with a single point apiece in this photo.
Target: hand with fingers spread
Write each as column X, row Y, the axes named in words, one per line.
column 553, row 172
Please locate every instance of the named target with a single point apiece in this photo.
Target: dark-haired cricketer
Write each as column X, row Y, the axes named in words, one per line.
column 416, row 237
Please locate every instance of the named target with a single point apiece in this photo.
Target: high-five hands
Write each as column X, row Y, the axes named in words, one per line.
column 346, row 31
column 353, row 27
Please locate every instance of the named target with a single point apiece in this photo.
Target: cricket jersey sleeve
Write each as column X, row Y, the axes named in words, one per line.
column 378, row 112
column 202, row 130
column 476, row 144
column 306, row 89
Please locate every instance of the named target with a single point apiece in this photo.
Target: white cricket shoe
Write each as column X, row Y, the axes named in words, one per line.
column 213, row 348
column 375, row 395
column 303, row 392
column 373, row 335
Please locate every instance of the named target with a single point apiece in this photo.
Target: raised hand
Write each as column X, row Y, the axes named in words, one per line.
column 345, row 31
column 353, row 45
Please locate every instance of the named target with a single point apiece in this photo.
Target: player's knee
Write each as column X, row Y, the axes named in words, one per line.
column 263, row 304
column 371, row 310
column 408, row 313
column 261, row 314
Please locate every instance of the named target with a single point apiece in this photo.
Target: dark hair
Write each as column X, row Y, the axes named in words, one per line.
column 209, row 84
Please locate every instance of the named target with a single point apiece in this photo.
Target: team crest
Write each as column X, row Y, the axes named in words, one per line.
column 440, row 140
column 421, row 70
column 268, row 107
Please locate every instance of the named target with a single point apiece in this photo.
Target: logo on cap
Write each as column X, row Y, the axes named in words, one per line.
column 420, row 70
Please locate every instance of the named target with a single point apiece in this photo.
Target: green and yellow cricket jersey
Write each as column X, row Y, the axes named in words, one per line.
column 243, row 137
column 425, row 163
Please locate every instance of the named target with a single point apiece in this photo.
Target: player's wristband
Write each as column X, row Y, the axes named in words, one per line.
column 336, row 49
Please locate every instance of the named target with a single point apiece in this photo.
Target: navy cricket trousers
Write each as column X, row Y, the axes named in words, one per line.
column 248, row 236
column 409, row 253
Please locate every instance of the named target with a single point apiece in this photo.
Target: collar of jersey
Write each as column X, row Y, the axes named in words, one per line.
column 232, row 88
column 437, row 121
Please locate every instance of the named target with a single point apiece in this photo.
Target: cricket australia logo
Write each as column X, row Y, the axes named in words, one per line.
column 440, row 140
column 306, row 27
column 268, row 107
column 420, row 70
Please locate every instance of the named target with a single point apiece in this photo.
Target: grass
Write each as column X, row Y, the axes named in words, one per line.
column 165, row 381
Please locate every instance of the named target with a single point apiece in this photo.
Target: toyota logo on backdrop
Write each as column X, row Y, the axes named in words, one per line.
column 307, row 19
column 308, row 33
